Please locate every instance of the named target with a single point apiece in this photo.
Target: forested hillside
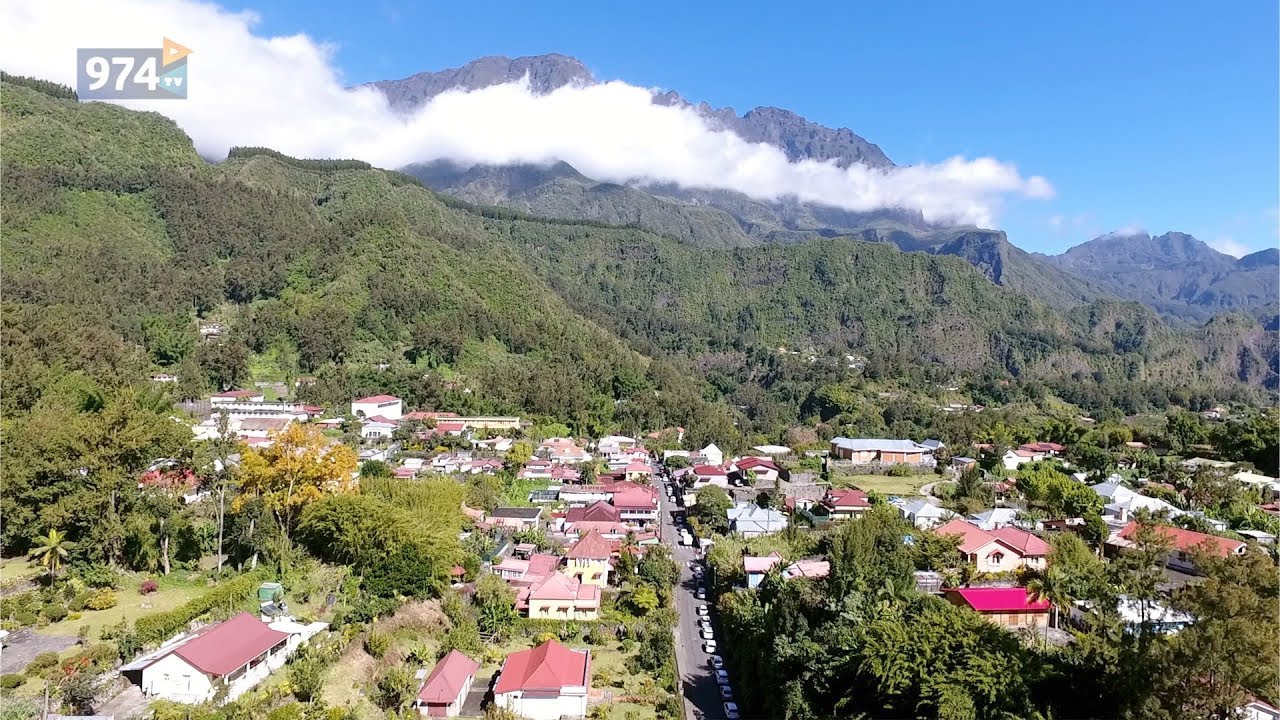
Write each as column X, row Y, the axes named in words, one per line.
column 118, row 237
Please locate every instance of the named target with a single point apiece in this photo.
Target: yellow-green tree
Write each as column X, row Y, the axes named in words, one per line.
column 298, row 468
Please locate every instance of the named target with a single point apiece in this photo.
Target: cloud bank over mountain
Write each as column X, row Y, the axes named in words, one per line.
column 286, row 93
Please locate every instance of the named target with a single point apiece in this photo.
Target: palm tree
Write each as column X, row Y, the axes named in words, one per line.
column 53, row 551
column 1048, row 586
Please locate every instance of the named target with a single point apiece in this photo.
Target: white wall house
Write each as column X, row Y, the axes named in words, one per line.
column 545, row 683
column 388, row 406
column 445, row 690
column 238, row 654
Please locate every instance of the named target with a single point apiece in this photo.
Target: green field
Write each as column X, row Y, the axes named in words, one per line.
column 174, row 590
column 884, row 484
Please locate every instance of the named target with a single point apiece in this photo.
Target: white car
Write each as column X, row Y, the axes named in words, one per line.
column 702, row 610
column 707, row 634
column 717, row 662
column 731, row 711
column 726, row 692
column 709, row 647
column 704, row 623
column 701, row 594
column 722, row 676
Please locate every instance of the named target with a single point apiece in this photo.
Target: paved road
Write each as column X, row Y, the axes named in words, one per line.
column 697, row 684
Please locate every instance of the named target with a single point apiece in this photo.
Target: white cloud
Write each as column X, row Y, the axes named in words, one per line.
column 1227, row 244
column 1056, row 220
column 285, row 93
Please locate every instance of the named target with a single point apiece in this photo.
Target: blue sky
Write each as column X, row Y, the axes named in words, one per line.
column 1160, row 117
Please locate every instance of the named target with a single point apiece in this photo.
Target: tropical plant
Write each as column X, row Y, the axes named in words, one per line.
column 53, row 550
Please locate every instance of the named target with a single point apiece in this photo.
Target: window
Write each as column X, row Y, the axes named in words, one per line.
column 996, row 557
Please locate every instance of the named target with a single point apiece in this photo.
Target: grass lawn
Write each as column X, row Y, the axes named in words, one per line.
column 17, row 569
column 174, row 590
column 886, row 485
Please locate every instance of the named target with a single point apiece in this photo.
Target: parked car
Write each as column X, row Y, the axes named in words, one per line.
column 717, row 662
column 722, row 676
column 708, row 634
column 726, row 692
column 704, row 623
column 731, row 711
column 702, row 610
column 701, row 594
column 709, row 647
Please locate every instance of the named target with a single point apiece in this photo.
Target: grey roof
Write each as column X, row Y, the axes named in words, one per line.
column 878, row 444
column 522, row 513
column 933, row 444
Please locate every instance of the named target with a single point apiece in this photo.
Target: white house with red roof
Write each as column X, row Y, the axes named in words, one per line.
column 845, row 504
column 445, row 690
column 759, row 469
column 387, row 406
column 545, row 683
column 238, row 653
column 704, row 475
column 564, row 451
column 1003, row 550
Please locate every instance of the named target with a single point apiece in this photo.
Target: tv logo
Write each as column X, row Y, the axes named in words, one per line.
column 132, row 73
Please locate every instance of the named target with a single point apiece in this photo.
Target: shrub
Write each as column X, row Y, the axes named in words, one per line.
column 900, row 471
column 99, row 575
column 42, row 662
column 54, row 612
column 377, row 644
column 12, row 680
column 395, row 688
column 103, row 599
column 75, row 616
column 147, row 587
column 79, row 601
column 24, row 618
column 158, row 627
column 292, row 711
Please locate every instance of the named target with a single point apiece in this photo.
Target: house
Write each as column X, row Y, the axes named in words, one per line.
column 238, row 653
column 1269, row 486
column 378, row 427
column 1121, row 502
column 545, row 683
column 1003, row 550
column 711, row 455
column 1183, row 544
column 637, row 471
column 560, row 597
column 524, row 573
column 1156, row 615
column 1011, row 607
column 563, row 451
column 1258, row 536
column 961, row 464
column 589, row 560
column 759, row 469
column 388, row 406
column 750, row 520
column 236, row 396
column 573, row 495
column 445, row 689
column 1046, row 449
column 1257, row 709
column 923, row 514
column 879, row 451
column 1014, row 458
column 933, row 446
column 811, row 569
column 757, row 567
column 499, row 444
column 704, row 475
column 995, row 518
column 516, row 518
column 1196, row 463
column 637, row 504
column 845, row 504
column 599, row 516
column 262, row 427
column 772, row 449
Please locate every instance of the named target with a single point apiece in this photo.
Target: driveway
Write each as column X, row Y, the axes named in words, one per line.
column 22, row 646
column 698, row 686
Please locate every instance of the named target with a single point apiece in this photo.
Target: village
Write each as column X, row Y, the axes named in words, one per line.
column 576, row 517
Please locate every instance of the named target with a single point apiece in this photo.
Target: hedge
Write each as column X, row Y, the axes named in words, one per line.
column 155, row 628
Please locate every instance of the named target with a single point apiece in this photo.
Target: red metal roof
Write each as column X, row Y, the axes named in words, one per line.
column 707, row 470
column 599, row 511
column 222, row 649
column 971, row 536
column 1187, row 540
column 451, row 426
column 1022, row 541
column 852, row 498
column 995, row 599
column 447, row 678
column 379, row 399
column 237, row 394
column 550, row 667
column 590, row 547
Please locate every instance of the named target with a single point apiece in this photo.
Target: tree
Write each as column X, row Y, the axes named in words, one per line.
column 53, row 551
column 1182, row 430
column 409, row 571
column 518, row 455
column 495, row 604
column 643, row 599
column 396, row 688
column 1048, row 586
column 711, row 508
column 299, row 468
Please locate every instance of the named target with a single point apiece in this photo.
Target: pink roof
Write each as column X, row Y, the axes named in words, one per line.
column 755, row 462
column 550, row 667
column 541, row 564
column 590, row 547
column 851, row 498
column 810, row 568
column 451, row 426
column 599, row 511
column 971, row 536
column 761, row 564
column 447, row 678
column 1022, row 541
column 227, row 646
column 635, row 498
column 706, row 470
column 996, row 599
column 378, row 399
column 558, row 586
column 637, row 466
column 382, row 419
column 1042, row 446
column 1021, row 452
column 1187, row 540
